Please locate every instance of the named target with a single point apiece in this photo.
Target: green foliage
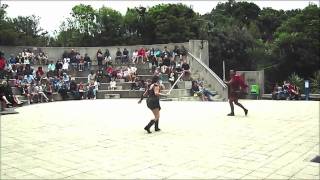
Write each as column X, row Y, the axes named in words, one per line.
column 296, row 80
column 315, row 82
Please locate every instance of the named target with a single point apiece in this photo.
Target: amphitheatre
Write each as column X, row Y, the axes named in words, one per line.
column 103, row 138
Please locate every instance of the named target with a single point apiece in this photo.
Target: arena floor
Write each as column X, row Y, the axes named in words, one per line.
column 104, row 139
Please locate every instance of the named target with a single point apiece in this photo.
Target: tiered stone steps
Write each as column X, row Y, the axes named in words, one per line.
column 123, row 90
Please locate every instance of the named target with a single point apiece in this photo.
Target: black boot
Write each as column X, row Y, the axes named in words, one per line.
column 147, row 128
column 156, row 126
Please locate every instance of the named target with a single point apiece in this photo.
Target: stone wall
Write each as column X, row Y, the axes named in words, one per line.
column 55, row 53
column 254, row 77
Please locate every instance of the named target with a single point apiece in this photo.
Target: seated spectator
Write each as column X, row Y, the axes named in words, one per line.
column 132, row 73
column 125, row 56
column 150, row 53
column 47, row 89
column 166, row 54
column 152, row 57
column 28, row 79
column 100, row 58
column 278, row 93
column 12, row 59
column 142, row 55
column 126, row 74
column 81, row 64
column 56, row 83
column 42, row 59
column 206, row 94
column 65, row 65
column 82, row 90
column 107, row 55
column 73, row 59
column 91, row 77
column 293, row 92
column 63, row 89
column 28, row 70
column 74, row 90
column 32, row 92
column 118, row 56
column 59, row 65
column 186, row 69
column 113, row 84
column 195, row 91
column 51, row 68
column 183, row 54
column 119, row 73
column 66, row 80
column 135, row 56
column 2, row 65
column 100, row 76
column 78, row 57
column 87, row 62
column 39, row 73
column 92, row 90
column 172, row 78
column 176, row 53
column 109, row 73
column 4, row 101
column 158, row 54
column 9, row 96
column 40, row 92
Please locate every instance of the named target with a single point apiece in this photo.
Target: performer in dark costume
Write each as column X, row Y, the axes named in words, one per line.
column 236, row 85
column 153, row 93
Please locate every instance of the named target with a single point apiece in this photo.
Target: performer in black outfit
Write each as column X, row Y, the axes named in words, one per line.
column 153, row 93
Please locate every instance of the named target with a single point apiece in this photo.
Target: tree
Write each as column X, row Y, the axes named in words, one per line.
column 297, row 43
column 173, row 23
column 109, row 25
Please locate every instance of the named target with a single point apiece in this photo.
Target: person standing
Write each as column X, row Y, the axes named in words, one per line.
column 153, row 102
column 236, row 85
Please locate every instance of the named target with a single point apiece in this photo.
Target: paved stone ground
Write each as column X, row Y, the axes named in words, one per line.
column 104, row 139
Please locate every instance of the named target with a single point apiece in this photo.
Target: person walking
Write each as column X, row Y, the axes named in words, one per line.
column 236, row 85
column 153, row 102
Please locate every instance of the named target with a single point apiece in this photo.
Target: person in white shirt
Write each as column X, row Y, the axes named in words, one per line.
column 41, row 94
column 65, row 65
column 113, row 84
column 91, row 77
column 134, row 56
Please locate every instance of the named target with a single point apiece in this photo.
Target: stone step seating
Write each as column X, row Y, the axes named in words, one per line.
column 216, row 98
column 102, row 94
column 84, row 79
column 111, row 96
column 127, row 85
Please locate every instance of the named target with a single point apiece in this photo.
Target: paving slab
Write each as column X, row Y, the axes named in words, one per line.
column 104, row 139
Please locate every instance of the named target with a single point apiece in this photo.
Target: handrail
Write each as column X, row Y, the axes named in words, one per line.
column 210, row 71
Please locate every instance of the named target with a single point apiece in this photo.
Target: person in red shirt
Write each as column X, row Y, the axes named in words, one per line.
column 39, row 73
column 236, row 85
column 2, row 65
column 141, row 55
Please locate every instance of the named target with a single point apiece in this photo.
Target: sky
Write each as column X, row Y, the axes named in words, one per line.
column 53, row 13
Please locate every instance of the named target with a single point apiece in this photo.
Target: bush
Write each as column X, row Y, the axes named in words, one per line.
column 315, row 82
column 297, row 80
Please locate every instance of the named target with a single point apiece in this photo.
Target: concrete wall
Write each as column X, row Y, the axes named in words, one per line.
column 55, row 53
column 206, row 74
column 200, row 49
column 254, row 77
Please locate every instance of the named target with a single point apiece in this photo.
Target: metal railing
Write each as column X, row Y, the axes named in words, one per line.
column 214, row 75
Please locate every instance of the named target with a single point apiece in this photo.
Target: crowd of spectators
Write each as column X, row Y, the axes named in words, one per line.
column 38, row 78
column 287, row 91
